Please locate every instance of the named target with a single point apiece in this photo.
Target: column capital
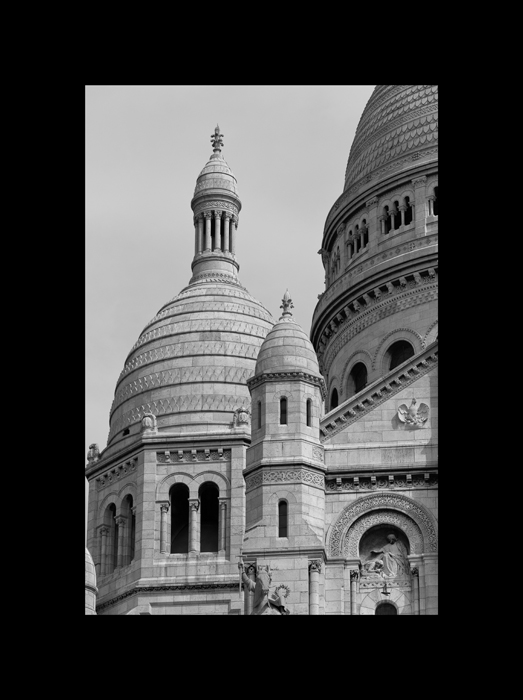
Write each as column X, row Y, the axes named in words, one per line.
column 234, row 220
column 217, row 213
column 194, row 503
column 208, row 214
column 354, row 575
column 371, row 202
column 315, row 565
column 103, row 530
column 133, row 510
column 120, row 519
column 414, row 571
column 419, row 181
column 164, row 507
column 222, row 503
column 432, row 197
column 382, row 217
column 402, row 207
column 228, row 215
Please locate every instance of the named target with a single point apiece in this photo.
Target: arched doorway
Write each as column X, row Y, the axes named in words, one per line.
column 386, row 609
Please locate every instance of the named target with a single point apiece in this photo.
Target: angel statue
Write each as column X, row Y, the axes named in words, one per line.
column 264, row 603
column 412, row 415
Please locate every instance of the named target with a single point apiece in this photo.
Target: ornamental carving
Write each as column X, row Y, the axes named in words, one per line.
column 149, row 423
column 360, row 527
column 218, row 455
column 318, row 453
column 315, row 566
column 285, row 476
column 94, row 453
column 414, row 416
column 242, row 416
column 390, row 502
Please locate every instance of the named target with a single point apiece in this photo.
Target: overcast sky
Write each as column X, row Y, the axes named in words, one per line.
column 145, row 146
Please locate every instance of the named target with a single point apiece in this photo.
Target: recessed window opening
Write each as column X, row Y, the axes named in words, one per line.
column 259, row 415
column 398, row 352
column 209, row 516
column 334, row 399
column 113, row 558
column 213, row 233
column 397, row 215
column 179, row 498
column 435, row 202
column 357, row 379
column 130, row 524
column 365, row 232
column 283, row 411
column 408, row 211
column 388, row 219
column 308, row 412
column 358, row 244
column 386, row 609
column 282, row 519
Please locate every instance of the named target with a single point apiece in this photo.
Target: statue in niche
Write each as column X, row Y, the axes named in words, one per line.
column 265, row 603
column 149, row 422
column 389, row 561
column 241, row 416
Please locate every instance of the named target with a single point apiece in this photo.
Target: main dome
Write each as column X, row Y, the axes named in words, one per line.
column 399, row 125
column 190, row 365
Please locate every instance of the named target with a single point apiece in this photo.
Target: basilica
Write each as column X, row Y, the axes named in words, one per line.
column 254, row 468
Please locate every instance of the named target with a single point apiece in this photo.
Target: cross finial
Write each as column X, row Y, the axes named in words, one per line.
column 286, row 305
column 217, row 140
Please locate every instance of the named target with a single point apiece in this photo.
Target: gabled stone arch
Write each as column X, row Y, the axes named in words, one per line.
column 112, row 497
column 221, row 481
column 357, row 356
column 383, row 502
column 399, row 598
column 351, row 541
column 399, row 334
column 163, row 488
column 431, row 334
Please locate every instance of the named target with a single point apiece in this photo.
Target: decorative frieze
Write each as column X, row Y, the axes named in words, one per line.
column 204, row 455
column 303, row 476
column 285, row 376
column 116, row 473
column 168, row 587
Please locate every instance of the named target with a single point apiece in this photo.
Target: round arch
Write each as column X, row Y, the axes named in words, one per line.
column 431, row 334
column 351, row 541
column 365, row 505
column 112, row 497
column 399, row 598
column 399, row 334
column 221, row 481
column 125, row 491
column 363, row 356
column 163, row 488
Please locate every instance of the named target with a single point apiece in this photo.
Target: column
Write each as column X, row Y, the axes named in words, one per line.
column 132, row 534
column 195, row 235
column 414, row 572
column 382, row 224
column 222, row 525
column 217, row 234
column 164, row 509
column 208, row 216
column 227, row 221
column 104, row 532
column 194, row 542
column 431, row 199
column 314, row 586
column 200, row 232
column 232, row 237
column 120, row 521
column 249, row 595
column 419, row 200
column 402, row 209
column 354, row 575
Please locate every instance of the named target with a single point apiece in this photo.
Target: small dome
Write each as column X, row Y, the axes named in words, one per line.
column 287, row 347
column 90, row 572
column 216, row 175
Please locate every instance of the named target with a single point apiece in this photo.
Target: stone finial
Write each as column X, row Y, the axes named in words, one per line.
column 286, row 305
column 217, row 140
column 94, row 453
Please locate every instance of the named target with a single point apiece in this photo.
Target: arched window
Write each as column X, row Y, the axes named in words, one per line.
column 282, row 519
column 351, row 246
column 365, row 232
column 113, row 559
column 209, row 514
column 308, row 412
column 334, row 399
column 397, row 215
column 435, row 202
column 358, row 240
column 357, row 379
column 283, row 411
column 179, row 498
column 398, row 352
column 408, row 211
column 259, row 415
column 130, row 527
column 385, row 608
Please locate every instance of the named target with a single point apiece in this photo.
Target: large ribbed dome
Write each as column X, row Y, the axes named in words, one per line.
column 398, row 128
column 190, row 365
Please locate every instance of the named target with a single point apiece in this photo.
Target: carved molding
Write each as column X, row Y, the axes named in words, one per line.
column 258, row 379
column 283, row 476
column 383, row 502
column 111, row 476
column 168, row 587
column 315, row 566
column 174, row 456
column 400, row 333
column 383, row 481
column 400, row 520
column 364, row 353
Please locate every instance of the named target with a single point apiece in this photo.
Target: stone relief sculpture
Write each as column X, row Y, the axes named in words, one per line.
column 149, row 422
column 389, row 561
column 241, row 416
column 412, row 415
column 265, row 603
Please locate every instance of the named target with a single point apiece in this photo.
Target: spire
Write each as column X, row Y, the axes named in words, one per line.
column 286, row 305
column 217, row 140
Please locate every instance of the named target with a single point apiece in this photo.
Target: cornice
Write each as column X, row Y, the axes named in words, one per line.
column 258, row 379
column 378, row 392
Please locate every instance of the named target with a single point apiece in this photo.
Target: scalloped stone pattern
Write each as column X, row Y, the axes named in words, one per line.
column 190, row 365
column 398, row 121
